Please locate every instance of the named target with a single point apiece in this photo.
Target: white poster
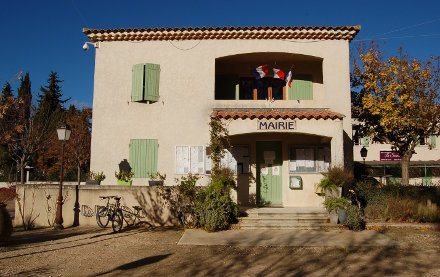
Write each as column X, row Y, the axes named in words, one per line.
column 264, row 169
column 276, row 170
column 182, row 159
column 292, row 166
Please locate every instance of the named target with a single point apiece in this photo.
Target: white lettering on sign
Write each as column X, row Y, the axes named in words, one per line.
column 276, row 125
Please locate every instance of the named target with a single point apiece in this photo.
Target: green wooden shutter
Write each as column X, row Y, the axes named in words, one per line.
column 427, row 177
column 137, row 90
column 143, row 157
column 302, row 88
column 433, row 142
column 366, row 141
column 152, row 74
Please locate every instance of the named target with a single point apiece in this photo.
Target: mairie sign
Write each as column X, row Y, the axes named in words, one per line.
column 276, row 125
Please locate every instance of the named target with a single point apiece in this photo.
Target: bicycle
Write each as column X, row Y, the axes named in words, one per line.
column 110, row 212
column 130, row 217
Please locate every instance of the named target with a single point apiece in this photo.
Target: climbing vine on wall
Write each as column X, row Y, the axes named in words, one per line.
column 219, row 141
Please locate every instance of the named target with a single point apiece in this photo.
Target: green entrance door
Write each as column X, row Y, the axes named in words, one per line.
column 269, row 172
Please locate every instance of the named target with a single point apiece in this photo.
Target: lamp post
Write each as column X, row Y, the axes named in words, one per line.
column 364, row 153
column 63, row 135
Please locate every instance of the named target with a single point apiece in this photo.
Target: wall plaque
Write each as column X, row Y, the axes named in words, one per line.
column 276, row 125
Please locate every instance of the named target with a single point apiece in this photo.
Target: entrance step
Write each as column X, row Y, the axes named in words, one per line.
column 286, row 218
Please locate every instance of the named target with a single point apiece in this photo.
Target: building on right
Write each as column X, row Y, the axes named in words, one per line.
column 380, row 162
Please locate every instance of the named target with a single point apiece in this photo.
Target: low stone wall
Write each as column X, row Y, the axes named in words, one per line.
column 40, row 203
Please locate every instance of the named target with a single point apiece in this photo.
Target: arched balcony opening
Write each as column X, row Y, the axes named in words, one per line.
column 235, row 77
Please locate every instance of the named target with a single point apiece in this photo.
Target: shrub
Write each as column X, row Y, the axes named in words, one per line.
column 354, row 218
column 214, row 207
column 336, row 203
column 399, row 203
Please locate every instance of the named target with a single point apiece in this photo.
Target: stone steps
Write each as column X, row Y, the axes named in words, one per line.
column 286, row 218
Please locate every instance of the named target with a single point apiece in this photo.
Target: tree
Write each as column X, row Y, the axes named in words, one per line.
column 400, row 100
column 49, row 114
column 7, row 113
column 30, row 129
column 77, row 148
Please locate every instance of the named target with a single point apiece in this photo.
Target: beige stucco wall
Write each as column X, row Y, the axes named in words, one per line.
column 40, row 203
column 187, row 81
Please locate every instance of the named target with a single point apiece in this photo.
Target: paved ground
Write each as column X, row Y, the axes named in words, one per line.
column 156, row 252
column 298, row 238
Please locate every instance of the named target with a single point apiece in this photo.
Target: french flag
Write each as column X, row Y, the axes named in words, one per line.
column 289, row 78
column 260, row 71
column 278, row 74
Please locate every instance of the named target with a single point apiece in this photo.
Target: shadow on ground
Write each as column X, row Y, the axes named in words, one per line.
column 136, row 264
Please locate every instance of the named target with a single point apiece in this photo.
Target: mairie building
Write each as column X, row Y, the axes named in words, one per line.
column 156, row 90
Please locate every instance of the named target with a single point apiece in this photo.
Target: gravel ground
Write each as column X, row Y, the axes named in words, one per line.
column 154, row 252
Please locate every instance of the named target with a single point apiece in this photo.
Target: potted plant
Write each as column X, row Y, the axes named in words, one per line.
column 95, row 178
column 334, row 179
column 157, row 179
column 124, row 177
column 336, row 207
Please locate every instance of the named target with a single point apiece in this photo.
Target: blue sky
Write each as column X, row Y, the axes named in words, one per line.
column 40, row 36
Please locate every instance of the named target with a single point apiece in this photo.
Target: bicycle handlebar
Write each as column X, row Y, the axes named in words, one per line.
column 109, row 197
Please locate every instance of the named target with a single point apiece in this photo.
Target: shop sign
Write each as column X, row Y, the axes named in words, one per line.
column 390, row 156
column 276, row 125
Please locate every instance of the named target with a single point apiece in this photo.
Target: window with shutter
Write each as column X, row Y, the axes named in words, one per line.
column 301, row 88
column 145, row 82
column 143, row 157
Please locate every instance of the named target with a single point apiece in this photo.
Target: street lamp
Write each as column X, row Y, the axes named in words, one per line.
column 364, row 153
column 63, row 135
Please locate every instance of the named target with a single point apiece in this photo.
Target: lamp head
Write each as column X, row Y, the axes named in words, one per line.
column 364, row 152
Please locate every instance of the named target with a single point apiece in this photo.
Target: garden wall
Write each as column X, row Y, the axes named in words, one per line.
column 40, row 203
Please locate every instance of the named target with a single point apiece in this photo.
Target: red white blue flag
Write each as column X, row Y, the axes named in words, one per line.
column 289, row 78
column 278, row 74
column 260, row 71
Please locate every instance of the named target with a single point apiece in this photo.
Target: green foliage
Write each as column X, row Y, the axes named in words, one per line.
column 124, row 175
column 98, row 176
column 399, row 203
column 219, row 141
column 355, row 221
column 336, row 203
column 157, row 176
column 210, row 207
column 187, row 189
column 335, row 178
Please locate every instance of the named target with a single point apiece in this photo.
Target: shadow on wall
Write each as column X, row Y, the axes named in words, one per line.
column 160, row 205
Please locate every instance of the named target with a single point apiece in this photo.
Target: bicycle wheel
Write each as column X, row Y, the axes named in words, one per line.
column 102, row 217
column 117, row 221
column 129, row 216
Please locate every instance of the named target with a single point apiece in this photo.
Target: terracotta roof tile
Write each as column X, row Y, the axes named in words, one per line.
column 276, row 114
column 221, row 33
